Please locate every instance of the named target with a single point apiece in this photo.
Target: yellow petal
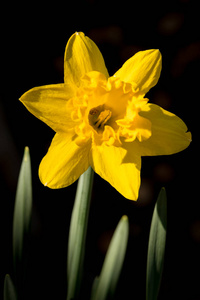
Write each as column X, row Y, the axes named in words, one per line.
column 169, row 132
column 64, row 162
column 119, row 167
column 82, row 56
column 143, row 69
column 48, row 103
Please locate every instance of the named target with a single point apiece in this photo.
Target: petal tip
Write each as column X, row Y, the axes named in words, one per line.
column 157, row 53
column 189, row 136
column 79, row 34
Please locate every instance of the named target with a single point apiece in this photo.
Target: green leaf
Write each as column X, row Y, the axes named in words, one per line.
column 77, row 233
column 22, row 214
column 94, row 287
column 105, row 285
column 156, row 248
column 9, row 289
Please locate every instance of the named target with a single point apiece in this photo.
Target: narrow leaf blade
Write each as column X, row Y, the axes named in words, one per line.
column 77, row 233
column 22, row 213
column 107, row 281
column 9, row 289
column 156, row 248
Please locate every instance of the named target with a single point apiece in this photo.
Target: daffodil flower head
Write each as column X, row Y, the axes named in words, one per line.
column 104, row 122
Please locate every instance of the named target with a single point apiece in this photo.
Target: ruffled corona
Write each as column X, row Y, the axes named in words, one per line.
column 107, row 111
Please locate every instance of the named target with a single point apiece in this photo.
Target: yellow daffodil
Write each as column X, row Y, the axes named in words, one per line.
column 104, row 122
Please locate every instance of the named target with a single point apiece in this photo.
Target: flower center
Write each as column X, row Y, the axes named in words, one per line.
column 108, row 111
column 98, row 117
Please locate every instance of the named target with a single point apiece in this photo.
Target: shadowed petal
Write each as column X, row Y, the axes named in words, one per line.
column 169, row 132
column 119, row 167
column 82, row 56
column 64, row 162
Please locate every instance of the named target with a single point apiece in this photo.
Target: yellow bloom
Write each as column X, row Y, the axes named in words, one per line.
column 101, row 121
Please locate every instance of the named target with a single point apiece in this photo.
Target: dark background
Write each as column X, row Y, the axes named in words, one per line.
column 33, row 39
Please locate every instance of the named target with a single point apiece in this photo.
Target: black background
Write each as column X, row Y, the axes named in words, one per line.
column 33, row 39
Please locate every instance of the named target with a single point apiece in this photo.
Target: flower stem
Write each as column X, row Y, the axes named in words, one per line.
column 77, row 233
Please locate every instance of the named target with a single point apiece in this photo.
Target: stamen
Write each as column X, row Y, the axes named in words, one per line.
column 98, row 119
column 102, row 119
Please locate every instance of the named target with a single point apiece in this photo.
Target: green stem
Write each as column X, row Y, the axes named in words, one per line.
column 77, row 233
